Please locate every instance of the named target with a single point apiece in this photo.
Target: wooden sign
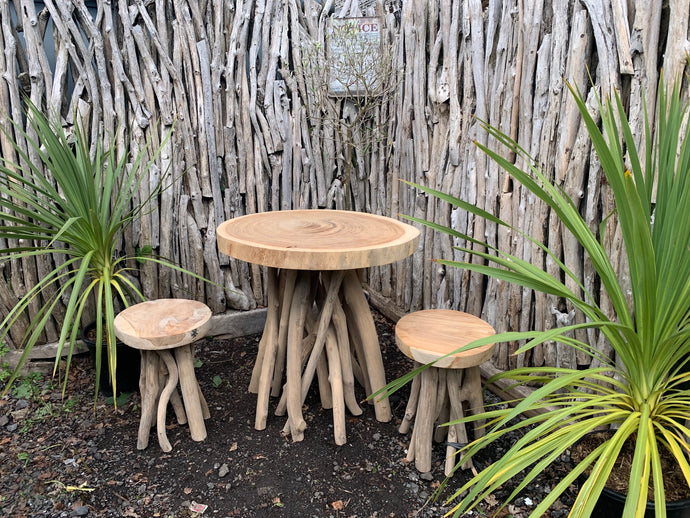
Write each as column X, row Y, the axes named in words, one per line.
column 354, row 56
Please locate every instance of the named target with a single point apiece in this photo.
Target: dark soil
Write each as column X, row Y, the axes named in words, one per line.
column 61, row 457
column 675, row 485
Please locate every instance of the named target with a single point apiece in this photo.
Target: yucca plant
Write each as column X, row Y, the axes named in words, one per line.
column 81, row 212
column 640, row 398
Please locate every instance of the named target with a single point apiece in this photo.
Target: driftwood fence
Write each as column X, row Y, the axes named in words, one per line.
column 249, row 134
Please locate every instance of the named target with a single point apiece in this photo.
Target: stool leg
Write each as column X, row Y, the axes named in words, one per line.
column 204, row 405
column 472, row 392
column 424, row 422
column 450, row 450
column 410, row 448
column 190, row 392
column 411, row 409
column 454, row 378
column 169, row 388
column 442, row 407
column 149, row 360
column 142, row 376
column 176, row 402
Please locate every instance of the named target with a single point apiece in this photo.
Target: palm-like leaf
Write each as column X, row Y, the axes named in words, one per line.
column 644, row 401
column 81, row 211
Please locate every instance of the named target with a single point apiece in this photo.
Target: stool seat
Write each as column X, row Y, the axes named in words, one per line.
column 427, row 335
column 154, row 327
column 163, row 323
column 437, row 395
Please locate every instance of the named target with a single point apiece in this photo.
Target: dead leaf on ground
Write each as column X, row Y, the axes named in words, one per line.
column 491, row 500
column 187, row 490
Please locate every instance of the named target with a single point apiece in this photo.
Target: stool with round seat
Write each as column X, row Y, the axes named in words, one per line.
column 438, row 393
column 155, row 327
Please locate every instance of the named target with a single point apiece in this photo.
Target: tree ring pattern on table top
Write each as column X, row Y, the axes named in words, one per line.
column 317, row 239
column 430, row 334
column 163, row 323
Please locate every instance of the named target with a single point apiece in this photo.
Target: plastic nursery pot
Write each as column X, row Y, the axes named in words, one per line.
column 611, row 502
column 128, row 363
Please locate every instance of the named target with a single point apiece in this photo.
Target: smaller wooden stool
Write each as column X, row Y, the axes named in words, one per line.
column 437, row 395
column 154, row 327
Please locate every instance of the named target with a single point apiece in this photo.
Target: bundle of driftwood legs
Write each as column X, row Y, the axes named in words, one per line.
column 310, row 312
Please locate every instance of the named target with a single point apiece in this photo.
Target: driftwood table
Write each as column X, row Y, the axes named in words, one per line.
column 155, row 327
column 437, row 395
column 316, row 302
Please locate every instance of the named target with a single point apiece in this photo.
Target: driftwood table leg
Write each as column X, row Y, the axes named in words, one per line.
column 270, row 350
column 169, row 388
column 322, row 375
column 334, row 282
column 293, row 387
column 268, row 338
column 363, row 321
column 287, row 288
column 357, row 371
column 339, row 325
column 190, row 392
column 336, row 379
column 149, row 365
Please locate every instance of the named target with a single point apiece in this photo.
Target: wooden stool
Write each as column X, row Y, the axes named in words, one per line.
column 154, row 327
column 437, row 395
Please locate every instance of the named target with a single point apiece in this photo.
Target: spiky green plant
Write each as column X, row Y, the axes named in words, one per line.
column 81, row 213
column 642, row 397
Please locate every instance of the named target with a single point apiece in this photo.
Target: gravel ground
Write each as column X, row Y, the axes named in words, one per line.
column 63, row 457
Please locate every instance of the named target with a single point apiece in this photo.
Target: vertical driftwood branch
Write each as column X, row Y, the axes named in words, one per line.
column 228, row 79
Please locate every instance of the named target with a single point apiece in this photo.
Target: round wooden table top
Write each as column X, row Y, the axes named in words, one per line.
column 163, row 323
column 317, row 239
column 430, row 334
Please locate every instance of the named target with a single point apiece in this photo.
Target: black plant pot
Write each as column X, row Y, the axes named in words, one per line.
column 128, row 364
column 611, row 504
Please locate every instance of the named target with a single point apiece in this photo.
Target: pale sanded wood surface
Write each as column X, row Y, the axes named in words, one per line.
column 155, row 326
column 163, row 323
column 313, row 257
column 439, row 396
column 317, row 239
column 428, row 335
